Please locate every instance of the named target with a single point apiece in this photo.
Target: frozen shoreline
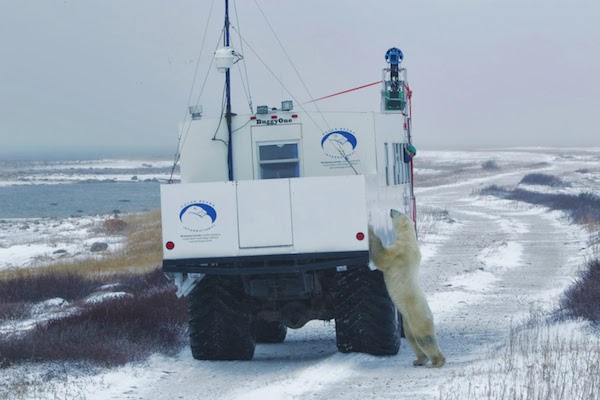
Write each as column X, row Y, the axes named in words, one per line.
column 64, row 172
column 37, row 242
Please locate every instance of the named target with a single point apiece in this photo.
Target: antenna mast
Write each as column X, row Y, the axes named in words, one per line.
column 228, row 96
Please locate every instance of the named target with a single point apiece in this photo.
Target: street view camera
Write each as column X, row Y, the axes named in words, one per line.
column 394, row 56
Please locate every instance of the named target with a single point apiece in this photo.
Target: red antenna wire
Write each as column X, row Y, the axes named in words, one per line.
column 345, row 91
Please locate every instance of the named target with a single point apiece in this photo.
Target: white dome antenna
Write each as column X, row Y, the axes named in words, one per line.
column 225, row 57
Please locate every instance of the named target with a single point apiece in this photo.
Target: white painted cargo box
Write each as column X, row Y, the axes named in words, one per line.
column 214, row 220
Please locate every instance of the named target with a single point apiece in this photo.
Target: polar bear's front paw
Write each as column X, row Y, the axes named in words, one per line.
column 420, row 361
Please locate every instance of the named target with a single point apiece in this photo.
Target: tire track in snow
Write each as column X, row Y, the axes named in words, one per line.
column 494, row 269
column 306, row 381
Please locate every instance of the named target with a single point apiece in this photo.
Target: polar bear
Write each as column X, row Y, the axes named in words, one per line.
column 400, row 264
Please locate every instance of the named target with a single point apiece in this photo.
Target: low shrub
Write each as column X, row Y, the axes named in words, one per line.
column 16, row 310
column 109, row 332
column 495, row 190
column 583, row 208
column 490, row 165
column 544, row 180
column 45, row 285
column 582, row 299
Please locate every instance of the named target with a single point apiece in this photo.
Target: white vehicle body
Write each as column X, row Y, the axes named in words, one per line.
column 268, row 228
column 343, row 178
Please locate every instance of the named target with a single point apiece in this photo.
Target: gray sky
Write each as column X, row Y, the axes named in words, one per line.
column 91, row 76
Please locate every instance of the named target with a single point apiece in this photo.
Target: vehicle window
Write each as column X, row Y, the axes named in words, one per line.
column 279, row 160
column 387, row 164
column 401, row 169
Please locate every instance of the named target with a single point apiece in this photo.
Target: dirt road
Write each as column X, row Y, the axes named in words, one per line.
column 487, row 264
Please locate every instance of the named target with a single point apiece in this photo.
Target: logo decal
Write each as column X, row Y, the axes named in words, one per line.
column 198, row 216
column 339, row 143
column 273, row 121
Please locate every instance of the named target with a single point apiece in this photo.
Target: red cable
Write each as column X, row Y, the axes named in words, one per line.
column 412, row 174
column 345, row 91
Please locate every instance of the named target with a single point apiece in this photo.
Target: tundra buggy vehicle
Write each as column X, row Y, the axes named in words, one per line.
column 268, row 228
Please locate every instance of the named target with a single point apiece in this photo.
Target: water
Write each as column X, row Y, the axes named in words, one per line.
column 56, row 189
column 76, row 199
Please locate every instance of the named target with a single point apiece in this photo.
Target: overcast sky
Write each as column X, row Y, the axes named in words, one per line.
column 115, row 75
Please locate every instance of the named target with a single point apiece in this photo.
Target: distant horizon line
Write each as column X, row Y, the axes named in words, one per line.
column 104, row 153
column 82, row 154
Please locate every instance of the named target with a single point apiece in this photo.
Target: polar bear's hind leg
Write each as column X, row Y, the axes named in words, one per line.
column 421, row 357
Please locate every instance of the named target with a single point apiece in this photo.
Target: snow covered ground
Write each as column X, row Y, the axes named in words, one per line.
column 489, row 265
column 39, row 241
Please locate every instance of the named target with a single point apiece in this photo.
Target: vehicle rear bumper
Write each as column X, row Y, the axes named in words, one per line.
column 271, row 264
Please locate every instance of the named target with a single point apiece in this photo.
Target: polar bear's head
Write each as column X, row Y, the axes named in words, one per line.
column 404, row 227
column 400, row 220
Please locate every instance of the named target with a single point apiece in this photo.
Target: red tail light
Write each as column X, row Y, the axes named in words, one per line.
column 170, row 245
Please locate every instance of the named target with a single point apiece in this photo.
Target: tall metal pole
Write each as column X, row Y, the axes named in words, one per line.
column 228, row 95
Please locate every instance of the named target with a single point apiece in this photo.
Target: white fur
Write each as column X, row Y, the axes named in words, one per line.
column 400, row 265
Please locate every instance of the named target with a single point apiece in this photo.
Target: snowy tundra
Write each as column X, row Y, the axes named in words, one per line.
column 489, row 265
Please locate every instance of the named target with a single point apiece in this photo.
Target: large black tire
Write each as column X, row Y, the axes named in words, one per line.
column 270, row 332
column 220, row 322
column 366, row 318
column 401, row 325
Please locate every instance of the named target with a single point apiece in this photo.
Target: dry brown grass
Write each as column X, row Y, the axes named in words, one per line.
column 142, row 252
column 539, row 362
column 144, row 240
column 593, row 229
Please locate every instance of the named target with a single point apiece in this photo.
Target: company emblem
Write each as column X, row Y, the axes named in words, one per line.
column 339, row 143
column 198, row 216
